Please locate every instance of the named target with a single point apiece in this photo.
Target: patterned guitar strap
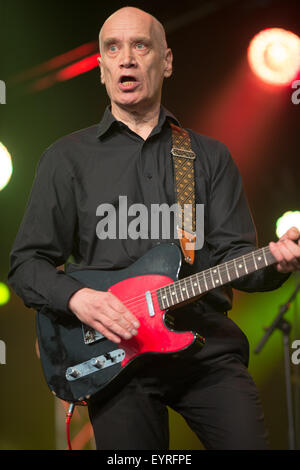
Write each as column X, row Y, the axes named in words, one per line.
column 183, row 161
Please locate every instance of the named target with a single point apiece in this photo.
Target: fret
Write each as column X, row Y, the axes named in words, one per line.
column 250, row 261
column 192, row 285
column 159, row 299
column 269, row 256
column 245, row 264
column 228, row 275
column 197, row 283
column 188, row 295
column 188, row 289
column 234, row 263
column 241, row 265
column 259, row 260
column 182, row 298
column 175, row 292
column 163, row 298
column 209, row 279
column 220, row 277
column 184, row 290
column 253, row 256
column 205, row 283
column 216, row 280
column 168, row 296
column 264, row 257
column 212, row 278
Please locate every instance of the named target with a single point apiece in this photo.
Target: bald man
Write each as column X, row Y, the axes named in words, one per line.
column 128, row 153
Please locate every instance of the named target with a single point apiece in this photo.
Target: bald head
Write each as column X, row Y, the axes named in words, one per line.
column 123, row 18
column 134, row 60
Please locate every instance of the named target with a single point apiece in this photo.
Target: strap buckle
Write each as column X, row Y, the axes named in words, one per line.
column 182, row 153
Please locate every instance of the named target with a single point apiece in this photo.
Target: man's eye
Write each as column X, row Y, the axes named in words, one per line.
column 140, row 45
column 113, row 48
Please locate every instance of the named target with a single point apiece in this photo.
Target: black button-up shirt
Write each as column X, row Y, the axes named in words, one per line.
column 95, row 166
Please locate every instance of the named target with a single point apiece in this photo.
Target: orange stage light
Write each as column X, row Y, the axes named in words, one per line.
column 274, row 56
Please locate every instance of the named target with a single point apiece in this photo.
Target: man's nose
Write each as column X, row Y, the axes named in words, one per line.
column 127, row 57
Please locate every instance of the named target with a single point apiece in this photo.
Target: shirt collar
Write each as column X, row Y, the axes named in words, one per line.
column 108, row 120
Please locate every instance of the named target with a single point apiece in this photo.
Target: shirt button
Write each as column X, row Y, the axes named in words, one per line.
column 149, row 176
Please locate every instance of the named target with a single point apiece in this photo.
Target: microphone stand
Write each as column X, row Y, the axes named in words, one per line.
column 285, row 327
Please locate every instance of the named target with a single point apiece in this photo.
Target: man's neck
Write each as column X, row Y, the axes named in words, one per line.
column 142, row 122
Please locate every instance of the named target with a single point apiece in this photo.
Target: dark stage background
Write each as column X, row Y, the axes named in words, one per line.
column 212, row 91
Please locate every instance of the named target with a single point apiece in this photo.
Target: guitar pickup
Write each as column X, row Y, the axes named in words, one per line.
column 90, row 335
column 150, row 304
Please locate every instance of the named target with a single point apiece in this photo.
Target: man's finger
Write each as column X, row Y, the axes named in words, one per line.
column 287, row 253
column 115, row 326
column 127, row 314
column 293, row 234
column 106, row 332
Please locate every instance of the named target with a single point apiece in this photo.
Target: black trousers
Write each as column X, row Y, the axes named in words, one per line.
column 217, row 398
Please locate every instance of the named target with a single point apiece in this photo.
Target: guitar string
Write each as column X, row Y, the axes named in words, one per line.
column 175, row 286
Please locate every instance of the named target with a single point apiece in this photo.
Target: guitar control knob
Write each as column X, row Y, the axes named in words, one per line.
column 73, row 372
column 97, row 363
column 109, row 357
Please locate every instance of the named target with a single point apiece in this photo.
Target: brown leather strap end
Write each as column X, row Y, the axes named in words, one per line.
column 187, row 243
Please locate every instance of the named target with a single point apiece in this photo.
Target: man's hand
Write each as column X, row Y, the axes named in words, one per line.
column 287, row 252
column 105, row 313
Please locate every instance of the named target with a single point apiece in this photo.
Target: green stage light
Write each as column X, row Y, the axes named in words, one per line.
column 6, row 167
column 287, row 220
column 4, row 294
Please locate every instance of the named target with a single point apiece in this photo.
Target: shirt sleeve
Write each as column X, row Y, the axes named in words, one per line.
column 231, row 231
column 45, row 238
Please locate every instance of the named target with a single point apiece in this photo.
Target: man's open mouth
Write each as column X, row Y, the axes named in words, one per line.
column 128, row 82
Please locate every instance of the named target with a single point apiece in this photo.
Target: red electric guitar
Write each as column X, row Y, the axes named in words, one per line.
column 79, row 362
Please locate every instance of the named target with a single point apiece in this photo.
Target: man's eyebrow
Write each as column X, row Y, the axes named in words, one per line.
column 110, row 40
column 141, row 39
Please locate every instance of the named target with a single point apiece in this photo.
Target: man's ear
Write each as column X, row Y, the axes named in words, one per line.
column 168, row 63
column 101, row 71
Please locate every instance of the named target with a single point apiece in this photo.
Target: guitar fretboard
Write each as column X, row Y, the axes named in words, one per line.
column 200, row 283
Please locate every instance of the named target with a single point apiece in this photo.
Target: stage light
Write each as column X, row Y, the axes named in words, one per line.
column 5, row 166
column 4, row 294
column 274, row 56
column 57, row 62
column 287, row 220
column 80, row 67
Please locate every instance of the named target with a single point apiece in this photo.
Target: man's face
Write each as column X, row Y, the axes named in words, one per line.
column 134, row 60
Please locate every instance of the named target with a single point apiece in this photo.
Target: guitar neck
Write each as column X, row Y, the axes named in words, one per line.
column 198, row 284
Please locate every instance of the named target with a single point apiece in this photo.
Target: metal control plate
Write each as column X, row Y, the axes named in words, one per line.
column 95, row 364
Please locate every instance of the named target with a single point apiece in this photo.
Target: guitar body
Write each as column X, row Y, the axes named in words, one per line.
column 79, row 362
